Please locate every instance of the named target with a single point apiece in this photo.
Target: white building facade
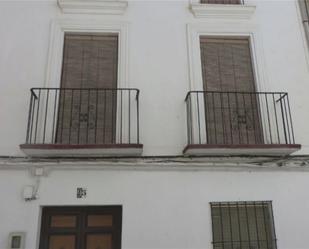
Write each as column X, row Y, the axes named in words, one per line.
column 154, row 124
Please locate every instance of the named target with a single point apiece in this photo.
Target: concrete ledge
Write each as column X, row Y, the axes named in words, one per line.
column 225, row 11
column 111, row 7
column 240, row 150
column 82, row 150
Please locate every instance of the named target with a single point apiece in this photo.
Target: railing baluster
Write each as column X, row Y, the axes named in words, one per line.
column 198, row 118
column 276, row 118
column 129, row 116
column 32, row 118
column 62, row 119
column 37, row 117
column 223, row 119
column 230, row 117
column 53, row 139
column 291, row 122
column 45, row 119
column 268, row 119
column 71, row 115
column 245, row 114
column 137, row 114
column 88, row 113
column 283, row 121
column 121, row 116
column 29, row 118
column 96, row 117
column 104, row 114
column 286, row 118
column 253, row 115
column 214, row 116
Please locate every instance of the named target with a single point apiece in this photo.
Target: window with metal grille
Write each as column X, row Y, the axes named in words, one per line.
column 304, row 9
column 243, row 225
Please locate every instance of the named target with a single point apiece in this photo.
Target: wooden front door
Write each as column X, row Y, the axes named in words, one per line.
column 231, row 105
column 81, row 227
column 88, row 116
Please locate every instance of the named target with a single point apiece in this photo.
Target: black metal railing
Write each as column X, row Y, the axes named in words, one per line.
column 232, row 118
column 222, row 1
column 83, row 116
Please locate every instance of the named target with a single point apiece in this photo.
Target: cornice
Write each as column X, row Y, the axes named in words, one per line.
column 108, row 7
column 244, row 164
column 224, row 11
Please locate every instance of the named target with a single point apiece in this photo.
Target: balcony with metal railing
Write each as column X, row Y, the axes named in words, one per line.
column 83, row 122
column 239, row 123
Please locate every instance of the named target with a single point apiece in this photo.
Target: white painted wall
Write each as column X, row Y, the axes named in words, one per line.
column 158, row 65
column 166, row 209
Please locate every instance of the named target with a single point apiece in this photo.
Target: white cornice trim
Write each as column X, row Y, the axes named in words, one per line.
column 109, row 7
column 225, row 11
column 267, row 164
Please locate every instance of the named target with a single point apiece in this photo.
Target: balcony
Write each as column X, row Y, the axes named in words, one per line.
column 83, row 122
column 239, row 123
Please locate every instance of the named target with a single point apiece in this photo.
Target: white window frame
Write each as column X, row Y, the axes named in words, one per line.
column 81, row 25
column 194, row 31
column 58, row 29
column 302, row 30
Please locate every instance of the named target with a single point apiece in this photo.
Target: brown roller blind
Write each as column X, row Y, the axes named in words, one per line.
column 227, row 67
column 88, row 116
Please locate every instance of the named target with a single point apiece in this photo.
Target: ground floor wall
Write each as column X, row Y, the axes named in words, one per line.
column 161, row 208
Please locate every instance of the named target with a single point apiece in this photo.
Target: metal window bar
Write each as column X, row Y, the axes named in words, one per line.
column 246, row 225
column 83, row 116
column 235, row 118
column 222, row 1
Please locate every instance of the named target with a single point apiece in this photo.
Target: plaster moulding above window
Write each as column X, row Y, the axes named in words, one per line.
column 111, row 7
column 225, row 11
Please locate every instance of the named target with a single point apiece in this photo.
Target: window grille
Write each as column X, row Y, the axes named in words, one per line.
column 243, row 225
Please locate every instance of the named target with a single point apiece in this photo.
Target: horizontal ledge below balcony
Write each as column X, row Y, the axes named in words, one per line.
column 82, row 150
column 241, row 149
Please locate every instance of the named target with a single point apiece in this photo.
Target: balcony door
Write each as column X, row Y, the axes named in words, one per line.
column 231, row 107
column 87, row 105
column 81, row 227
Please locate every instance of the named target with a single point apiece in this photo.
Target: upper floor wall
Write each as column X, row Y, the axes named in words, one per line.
column 159, row 56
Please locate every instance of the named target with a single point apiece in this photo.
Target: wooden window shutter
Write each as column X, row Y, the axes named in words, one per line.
column 227, row 67
column 90, row 61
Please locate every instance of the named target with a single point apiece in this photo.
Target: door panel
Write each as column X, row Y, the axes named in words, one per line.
column 231, row 118
column 81, row 227
column 62, row 242
column 88, row 116
column 99, row 241
column 63, row 221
